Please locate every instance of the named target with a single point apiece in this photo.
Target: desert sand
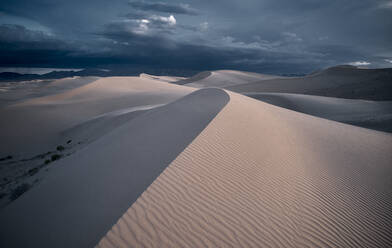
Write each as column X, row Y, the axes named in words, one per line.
column 90, row 190
column 44, row 117
column 340, row 81
column 225, row 78
column 365, row 113
column 160, row 161
column 267, row 177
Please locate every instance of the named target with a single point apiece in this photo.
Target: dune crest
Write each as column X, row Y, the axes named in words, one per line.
column 87, row 192
column 267, row 177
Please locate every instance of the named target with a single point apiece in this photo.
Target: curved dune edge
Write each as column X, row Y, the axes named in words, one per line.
column 84, row 196
column 46, row 116
column 375, row 115
column 267, row 177
column 225, row 78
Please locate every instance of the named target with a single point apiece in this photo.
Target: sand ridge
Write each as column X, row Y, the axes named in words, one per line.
column 226, row 78
column 342, row 82
column 87, row 192
column 45, row 117
column 267, row 177
column 365, row 113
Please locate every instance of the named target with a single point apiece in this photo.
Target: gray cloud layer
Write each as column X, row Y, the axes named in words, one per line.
column 163, row 7
column 277, row 36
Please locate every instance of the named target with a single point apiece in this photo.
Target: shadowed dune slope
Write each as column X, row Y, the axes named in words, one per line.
column 41, row 120
column 167, row 79
column 370, row 114
column 86, row 194
column 267, row 177
column 342, row 82
column 224, row 78
column 14, row 92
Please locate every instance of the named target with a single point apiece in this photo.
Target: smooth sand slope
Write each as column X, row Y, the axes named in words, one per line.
column 35, row 126
column 224, row 78
column 167, row 79
column 69, row 114
column 342, row 81
column 267, row 177
column 14, row 92
column 365, row 113
column 86, row 194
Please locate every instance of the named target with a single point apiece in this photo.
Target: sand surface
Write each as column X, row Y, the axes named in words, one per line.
column 152, row 161
column 14, row 92
column 267, row 177
column 167, row 79
column 87, row 192
column 365, row 113
column 69, row 113
column 342, row 82
column 35, row 125
column 226, row 78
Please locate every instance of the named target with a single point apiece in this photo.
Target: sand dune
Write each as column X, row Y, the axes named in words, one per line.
column 85, row 195
column 342, row 82
column 370, row 114
column 14, row 92
column 163, row 164
column 267, row 177
column 44, row 118
column 32, row 129
column 224, row 78
column 167, row 79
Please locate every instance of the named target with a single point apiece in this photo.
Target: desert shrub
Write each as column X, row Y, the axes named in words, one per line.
column 33, row 171
column 6, row 158
column 47, row 161
column 20, row 190
column 69, row 141
column 55, row 157
column 60, row 148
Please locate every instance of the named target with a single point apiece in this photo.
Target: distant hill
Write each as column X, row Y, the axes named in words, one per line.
column 339, row 81
column 112, row 71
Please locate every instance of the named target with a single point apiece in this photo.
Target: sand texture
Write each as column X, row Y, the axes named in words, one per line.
column 365, row 113
column 155, row 161
column 35, row 125
column 87, row 192
column 342, row 82
column 267, row 177
column 225, row 78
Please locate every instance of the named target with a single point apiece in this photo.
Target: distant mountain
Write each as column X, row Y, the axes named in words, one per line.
column 13, row 76
column 112, row 71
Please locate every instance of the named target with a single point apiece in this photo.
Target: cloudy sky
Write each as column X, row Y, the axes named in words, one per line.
column 275, row 36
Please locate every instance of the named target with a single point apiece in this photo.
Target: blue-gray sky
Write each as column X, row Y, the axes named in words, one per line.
column 276, row 36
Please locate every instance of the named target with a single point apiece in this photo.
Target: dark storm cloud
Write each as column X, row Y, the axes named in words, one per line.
column 19, row 45
column 266, row 36
column 163, row 7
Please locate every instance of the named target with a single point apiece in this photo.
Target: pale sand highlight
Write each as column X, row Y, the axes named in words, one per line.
column 35, row 125
column 263, row 176
column 226, row 78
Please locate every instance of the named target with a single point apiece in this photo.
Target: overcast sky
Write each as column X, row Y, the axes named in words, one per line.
column 275, row 36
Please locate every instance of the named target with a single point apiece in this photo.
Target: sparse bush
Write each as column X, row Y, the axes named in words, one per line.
column 60, row 148
column 33, row 171
column 55, row 157
column 6, row 158
column 20, row 190
column 69, row 141
column 47, row 161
